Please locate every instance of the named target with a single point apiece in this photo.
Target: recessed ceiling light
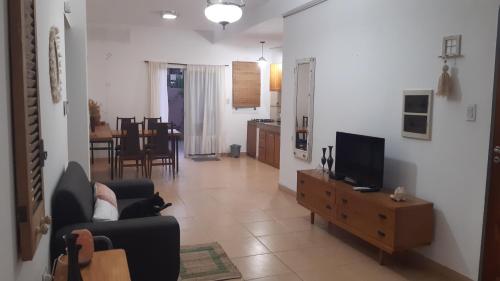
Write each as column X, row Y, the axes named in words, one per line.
column 169, row 15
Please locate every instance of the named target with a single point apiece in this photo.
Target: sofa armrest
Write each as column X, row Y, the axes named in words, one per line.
column 137, row 188
column 151, row 244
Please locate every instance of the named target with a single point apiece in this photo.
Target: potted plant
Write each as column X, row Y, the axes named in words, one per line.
column 95, row 114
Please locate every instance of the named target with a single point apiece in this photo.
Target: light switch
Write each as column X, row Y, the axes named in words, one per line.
column 471, row 112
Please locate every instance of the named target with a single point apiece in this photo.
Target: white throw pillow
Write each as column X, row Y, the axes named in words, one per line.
column 104, row 211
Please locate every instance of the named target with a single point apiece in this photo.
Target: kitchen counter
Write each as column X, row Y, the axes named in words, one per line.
column 272, row 126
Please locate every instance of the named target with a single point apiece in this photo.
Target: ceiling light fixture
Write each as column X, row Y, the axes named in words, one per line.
column 169, row 15
column 262, row 60
column 224, row 12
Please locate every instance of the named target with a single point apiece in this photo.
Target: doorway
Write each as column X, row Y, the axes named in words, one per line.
column 176, row 99
column 491, row 243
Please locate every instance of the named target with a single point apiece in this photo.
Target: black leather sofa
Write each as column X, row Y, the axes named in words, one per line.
column 151, row 244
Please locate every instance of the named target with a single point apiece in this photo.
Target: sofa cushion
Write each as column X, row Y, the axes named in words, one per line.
column 73, row 198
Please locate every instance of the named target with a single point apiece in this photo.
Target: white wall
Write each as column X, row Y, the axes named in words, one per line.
column 367, row 53
column 118, row 74
column 8, row 248
column 76, row 63
column 54, row 132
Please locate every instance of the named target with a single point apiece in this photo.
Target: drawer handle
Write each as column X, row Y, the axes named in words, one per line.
column 301, row 181
column 382, row 216
column 344, row 216
column 328, row 193
column 381, row 233
column 328, row 207
column 344, row 200
column 302, row 194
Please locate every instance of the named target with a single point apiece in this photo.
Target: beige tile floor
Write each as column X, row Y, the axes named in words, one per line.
column 267, row 235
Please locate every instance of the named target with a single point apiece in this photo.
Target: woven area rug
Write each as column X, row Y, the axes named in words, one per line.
column 205, row 158
column 206, row 262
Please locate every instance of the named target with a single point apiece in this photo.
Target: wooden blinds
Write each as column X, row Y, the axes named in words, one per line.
column 29, row 154
column 246, row 84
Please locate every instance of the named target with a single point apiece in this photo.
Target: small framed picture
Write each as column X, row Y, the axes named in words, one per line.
column 417, row 114
column 452, row 46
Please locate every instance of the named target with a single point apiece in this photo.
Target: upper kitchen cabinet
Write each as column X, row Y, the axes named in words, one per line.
column 276, row 76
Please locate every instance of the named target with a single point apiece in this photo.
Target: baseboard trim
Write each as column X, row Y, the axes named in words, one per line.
column 421, row 260
column 411, row 256
column 286, row 189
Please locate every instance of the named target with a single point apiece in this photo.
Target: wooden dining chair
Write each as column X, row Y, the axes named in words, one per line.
column 150, row 124
column 131, row 149
column 121, row 123
column 161, row 152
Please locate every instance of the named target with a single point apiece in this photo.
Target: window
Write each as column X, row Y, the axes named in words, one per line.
column 29, row 154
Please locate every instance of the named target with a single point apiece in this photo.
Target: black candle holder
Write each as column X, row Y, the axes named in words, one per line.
column 323, row 159
column 330, row 159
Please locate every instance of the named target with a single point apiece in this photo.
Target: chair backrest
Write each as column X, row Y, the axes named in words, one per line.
column 151, row 122
column 162, row 141
column 122, row 122
column 131, row 143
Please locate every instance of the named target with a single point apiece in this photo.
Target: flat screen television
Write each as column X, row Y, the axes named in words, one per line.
column 359, row 160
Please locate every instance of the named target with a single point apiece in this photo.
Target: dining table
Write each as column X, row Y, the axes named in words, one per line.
column 103, row 134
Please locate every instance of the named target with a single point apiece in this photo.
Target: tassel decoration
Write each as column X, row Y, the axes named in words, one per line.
column 445, row 83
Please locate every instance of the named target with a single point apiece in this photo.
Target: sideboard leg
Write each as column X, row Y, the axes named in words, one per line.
column 312, row 217
column 381, row 257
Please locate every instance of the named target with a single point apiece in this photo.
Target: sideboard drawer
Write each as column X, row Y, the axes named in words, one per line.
column 324, row 208
column 359, row 222
column 316, row 187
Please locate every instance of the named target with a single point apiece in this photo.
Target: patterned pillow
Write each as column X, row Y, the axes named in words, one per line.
column 105, row 193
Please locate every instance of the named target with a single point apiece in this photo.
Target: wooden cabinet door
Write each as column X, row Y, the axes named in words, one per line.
column 251, row 140
column 270, row 148
column 262, row 146
column 277, row 141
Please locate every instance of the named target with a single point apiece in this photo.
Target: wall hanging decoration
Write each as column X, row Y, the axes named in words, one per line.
column 417, row 117
column 55, row 64
column 445, row 82
column 451, row 48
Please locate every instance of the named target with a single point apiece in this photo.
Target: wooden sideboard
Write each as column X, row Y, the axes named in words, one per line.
column 374, row 217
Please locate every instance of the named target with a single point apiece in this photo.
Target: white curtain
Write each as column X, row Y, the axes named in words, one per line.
column 158, row 90
column 203, row 104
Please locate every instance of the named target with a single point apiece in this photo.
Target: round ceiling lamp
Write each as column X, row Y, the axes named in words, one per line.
column 224, row 12
column 262, row 60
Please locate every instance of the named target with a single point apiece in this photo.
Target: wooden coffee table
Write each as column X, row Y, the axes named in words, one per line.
column 108, row 265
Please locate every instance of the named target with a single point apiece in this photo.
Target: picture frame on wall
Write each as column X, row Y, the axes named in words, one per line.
column 417, row 114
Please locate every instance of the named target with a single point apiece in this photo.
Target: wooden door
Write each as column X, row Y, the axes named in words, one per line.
column 270, row 148
column 251, row 140
column 277, row 141
column 491, row 244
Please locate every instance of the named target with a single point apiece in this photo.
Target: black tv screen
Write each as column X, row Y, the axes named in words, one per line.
column 360, row 159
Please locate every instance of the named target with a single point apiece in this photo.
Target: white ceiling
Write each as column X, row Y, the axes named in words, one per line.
column 261, row 18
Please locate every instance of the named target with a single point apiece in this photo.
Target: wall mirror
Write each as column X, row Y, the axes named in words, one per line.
column 304, row 108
